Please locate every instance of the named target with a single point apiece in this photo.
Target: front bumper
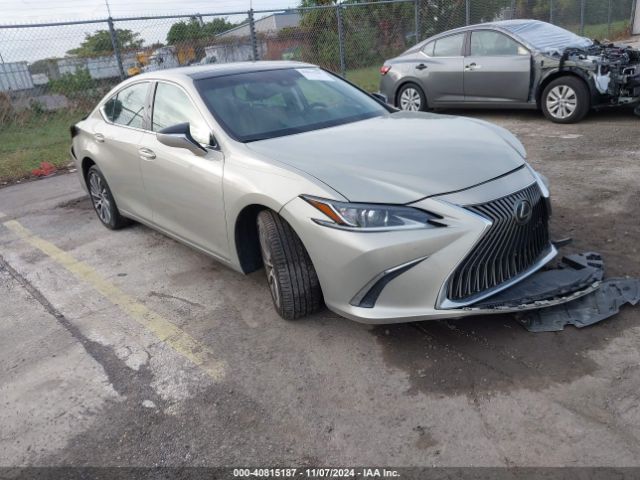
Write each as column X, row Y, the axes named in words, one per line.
column 351, row 263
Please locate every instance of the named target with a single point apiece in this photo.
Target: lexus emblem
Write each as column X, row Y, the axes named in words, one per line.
column 522, row 211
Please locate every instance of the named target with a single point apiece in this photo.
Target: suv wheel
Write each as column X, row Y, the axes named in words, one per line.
column 103, row 201
column 293, row 282
column 411, row 98
column 566, row 100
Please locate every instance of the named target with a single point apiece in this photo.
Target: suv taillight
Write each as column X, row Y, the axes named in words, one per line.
column 384, row 69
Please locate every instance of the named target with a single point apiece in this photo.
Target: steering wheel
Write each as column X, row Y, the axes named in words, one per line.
column 317, row 105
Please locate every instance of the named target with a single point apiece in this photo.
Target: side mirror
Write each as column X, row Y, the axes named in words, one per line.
column 179, row 136
column 380, row 97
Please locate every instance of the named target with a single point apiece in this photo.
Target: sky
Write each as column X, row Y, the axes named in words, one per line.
column 31, row 44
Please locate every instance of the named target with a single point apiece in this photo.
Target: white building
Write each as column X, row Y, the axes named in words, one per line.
column 269, row 24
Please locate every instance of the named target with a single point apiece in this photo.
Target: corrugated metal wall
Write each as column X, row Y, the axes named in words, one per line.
column 15, row 76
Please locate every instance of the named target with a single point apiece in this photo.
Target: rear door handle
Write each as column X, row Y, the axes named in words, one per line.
column 422, row 66
column 472, row 66
column 146, row 153
column 98, row 137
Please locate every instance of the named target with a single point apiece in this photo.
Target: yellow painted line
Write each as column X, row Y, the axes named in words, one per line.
column 162, row 328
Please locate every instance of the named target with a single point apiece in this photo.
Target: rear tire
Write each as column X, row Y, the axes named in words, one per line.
column 411, row 98
column 566, row 100
column 103, row 202
column 293, row 282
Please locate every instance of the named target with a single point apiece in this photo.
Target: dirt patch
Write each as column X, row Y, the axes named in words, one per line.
column 82, row 203
column 492, row 353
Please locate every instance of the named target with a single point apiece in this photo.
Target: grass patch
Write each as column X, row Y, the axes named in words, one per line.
column 41, row 138
column 618, row 30
column 366, row 78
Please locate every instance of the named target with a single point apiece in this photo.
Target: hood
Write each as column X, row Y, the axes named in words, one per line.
column 401, row 157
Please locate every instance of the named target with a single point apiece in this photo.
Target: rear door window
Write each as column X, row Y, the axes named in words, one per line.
column 127, row 106
column 450, row 46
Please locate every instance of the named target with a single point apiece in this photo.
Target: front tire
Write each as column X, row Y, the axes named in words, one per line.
column 566, row 100
column 293, row 282
column 411, row 98
column 103, row 202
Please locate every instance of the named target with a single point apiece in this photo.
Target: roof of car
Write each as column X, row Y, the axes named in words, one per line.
column 218, row 70
column 500, row 24
column 503, row 25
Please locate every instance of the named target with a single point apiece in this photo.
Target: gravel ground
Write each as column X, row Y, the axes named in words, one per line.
column 95, row 326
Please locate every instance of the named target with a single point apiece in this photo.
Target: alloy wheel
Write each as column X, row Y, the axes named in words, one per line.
column 100, row 197
column 562, row 101
column 267, row 259
column 410, row 100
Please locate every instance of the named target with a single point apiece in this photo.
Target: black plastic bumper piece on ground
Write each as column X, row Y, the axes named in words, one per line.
column 575, row 273
column 582, row 312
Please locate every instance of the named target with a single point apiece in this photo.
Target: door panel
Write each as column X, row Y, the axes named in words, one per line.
column 442, row 80
column 185, row 190
column 117, row 148
column 498, row 69
column 186, row 193
column 489, row 79
column 117, row 157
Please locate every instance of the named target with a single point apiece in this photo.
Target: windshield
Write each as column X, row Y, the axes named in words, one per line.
column 272, row 103
column 545, row 36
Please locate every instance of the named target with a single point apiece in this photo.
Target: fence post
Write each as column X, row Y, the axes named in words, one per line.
column 550, row 11
column 417, row 18
column 513, row 9
column 582, row 8
column 467, row 12
column 252, row 33
column 609, row 21
column 343, row 67
column 116, row 48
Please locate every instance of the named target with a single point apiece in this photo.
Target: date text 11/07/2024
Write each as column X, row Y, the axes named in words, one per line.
column 315, row 473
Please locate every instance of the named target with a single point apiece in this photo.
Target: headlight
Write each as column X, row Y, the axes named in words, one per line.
column 372, row 217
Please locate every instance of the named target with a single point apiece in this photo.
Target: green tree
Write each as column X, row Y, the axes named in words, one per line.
column 99, row 43
column 194, row 30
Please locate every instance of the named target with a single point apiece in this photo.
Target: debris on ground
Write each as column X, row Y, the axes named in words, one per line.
column 584, row 311
column 45, row 170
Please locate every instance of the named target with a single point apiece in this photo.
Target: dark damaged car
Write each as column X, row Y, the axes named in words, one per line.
column 514, row 64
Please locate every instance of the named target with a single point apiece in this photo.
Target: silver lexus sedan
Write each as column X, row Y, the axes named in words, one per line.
column 384, row 216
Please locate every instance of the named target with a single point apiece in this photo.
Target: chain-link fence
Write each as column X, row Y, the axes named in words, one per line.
column 51, row 74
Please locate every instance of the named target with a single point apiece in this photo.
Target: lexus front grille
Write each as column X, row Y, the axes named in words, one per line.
column 517, row 238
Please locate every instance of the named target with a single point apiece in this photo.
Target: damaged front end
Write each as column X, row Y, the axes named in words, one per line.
column 613, row 71
column 574, row 292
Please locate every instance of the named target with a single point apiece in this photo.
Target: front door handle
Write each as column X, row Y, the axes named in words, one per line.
column 472, row 66
column 422, row 66
column 146, row 153
column 98, row 137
